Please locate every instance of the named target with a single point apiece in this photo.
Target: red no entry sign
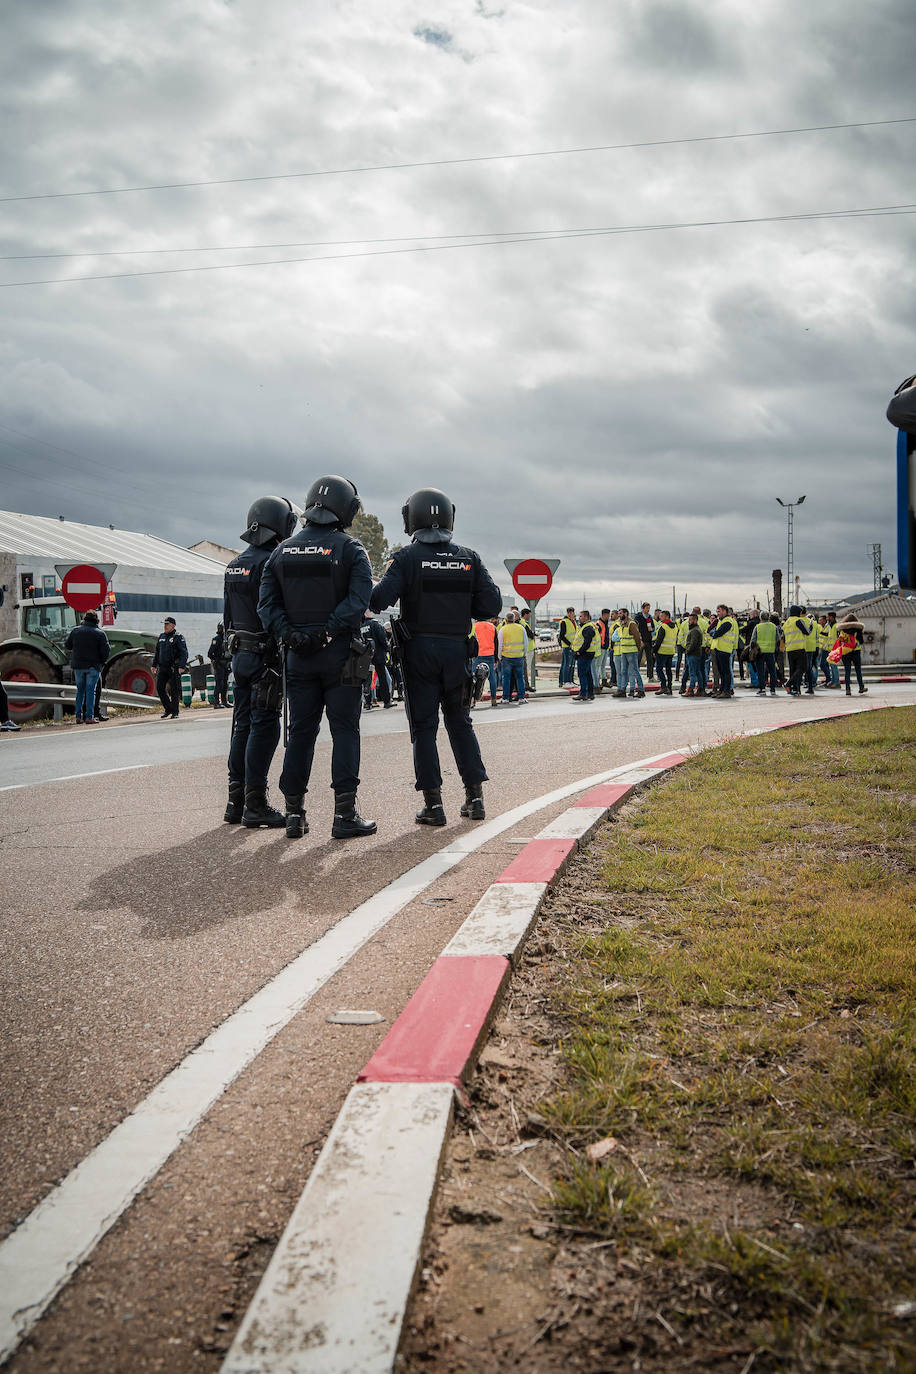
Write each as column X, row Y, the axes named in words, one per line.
column 84, row 587
column 532, row 578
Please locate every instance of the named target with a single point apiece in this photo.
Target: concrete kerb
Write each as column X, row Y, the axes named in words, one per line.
column 334, row 1296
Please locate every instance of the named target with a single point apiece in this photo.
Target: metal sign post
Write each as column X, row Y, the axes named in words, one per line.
column 532, row 579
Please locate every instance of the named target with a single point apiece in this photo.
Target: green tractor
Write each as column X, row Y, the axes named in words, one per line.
column 37, row 654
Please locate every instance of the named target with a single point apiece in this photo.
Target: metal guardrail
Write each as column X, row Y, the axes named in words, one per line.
column 64, row 693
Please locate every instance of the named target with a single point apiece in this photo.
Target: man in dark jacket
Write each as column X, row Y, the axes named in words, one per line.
column 373, row 633
column 646, row 626
column 314, row 592
column 220, row 658
column 89, row 650
column 170, row 656
column 443, row 588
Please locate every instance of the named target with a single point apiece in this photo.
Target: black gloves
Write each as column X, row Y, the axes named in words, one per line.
column 305, row 643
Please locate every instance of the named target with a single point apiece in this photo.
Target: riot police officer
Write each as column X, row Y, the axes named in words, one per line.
column 255, row 666
column 314, row 593
column 442, row 587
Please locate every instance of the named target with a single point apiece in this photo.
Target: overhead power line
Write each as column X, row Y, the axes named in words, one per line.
column 519, row 235
column 460, row 161
column 491, row 241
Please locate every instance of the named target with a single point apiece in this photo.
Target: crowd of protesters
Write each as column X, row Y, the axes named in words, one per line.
column 696, row 654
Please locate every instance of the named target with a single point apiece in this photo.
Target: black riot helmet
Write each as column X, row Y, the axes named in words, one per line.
column 270, row 518
column 428, row 509
column 332, row 501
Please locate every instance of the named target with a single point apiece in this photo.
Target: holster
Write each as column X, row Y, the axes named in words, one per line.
column 356, row 666
column 267, row 692
column 246, row 641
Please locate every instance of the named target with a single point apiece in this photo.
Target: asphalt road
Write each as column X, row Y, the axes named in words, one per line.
column 135, row 922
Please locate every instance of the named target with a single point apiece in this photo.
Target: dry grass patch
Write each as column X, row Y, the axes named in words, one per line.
column 746, row 1012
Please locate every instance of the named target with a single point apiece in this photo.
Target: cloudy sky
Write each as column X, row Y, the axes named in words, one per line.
column 631, row 403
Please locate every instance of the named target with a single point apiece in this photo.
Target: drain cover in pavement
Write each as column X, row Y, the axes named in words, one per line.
column 355, row 1018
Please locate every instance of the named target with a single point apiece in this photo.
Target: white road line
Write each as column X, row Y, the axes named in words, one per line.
column 44, row 1251
column 72, row 777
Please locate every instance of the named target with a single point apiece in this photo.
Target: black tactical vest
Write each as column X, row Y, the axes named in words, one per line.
column 312, row 575
column 243, row 586
column 441, row 589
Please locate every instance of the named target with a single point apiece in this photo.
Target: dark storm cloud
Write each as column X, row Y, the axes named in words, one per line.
column 678, row 37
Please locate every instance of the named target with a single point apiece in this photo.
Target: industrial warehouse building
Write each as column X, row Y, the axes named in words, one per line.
column 153, row 578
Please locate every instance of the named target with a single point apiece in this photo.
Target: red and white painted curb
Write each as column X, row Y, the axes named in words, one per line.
column 334, row 1296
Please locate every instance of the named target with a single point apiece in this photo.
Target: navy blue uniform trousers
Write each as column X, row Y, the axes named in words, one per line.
column 312, row 687
column 437, row 675
column 255, row 731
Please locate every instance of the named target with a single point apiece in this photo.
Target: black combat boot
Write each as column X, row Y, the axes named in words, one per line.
column 473, row 802
column 348, row 823
column 258, row 810
column 236, row 804
column 296, row 824
column 432, row 812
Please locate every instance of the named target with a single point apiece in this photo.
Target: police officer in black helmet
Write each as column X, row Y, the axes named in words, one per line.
column 442, row 587
column 314, row 593
column 255, row 666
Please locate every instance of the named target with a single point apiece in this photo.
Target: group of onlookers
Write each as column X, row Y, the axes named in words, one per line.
column 703, row 649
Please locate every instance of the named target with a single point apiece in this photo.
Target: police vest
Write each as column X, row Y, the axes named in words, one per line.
column 794, row 636
column 441, row 589
column 627, row 643
column 311, row 577
column 666, row 648
column 242, row 586
column 767, row 637
column 514, row 641
column 727, row 643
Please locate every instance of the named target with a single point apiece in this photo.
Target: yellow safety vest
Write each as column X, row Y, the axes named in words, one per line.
column 514, row 641
column 793, row 634
column 727, row 643
column 811, row 637
column 570, row 627
column 626, row 643
column 594, row 648
column 683, row 627
column 767, row 637
column 824, row 640
column 666, row 647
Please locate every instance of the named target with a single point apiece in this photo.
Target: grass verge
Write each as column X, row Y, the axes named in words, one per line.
column 741, row 1023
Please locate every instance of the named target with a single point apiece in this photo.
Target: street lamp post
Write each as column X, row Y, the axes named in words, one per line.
column 790, row 544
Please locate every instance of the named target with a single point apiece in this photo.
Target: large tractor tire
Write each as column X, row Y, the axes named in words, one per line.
column 25, row 665
column 132, row 673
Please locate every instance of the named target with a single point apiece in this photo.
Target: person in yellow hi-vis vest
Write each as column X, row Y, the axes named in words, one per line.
column 565, row 636
column 724, row 640
column 628, row 640
column 664, row 646
column 795, row 631
column 512, row 642
column 588, row 646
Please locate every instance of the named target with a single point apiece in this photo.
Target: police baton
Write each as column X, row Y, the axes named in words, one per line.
column 285, row 700
column 399, row 637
